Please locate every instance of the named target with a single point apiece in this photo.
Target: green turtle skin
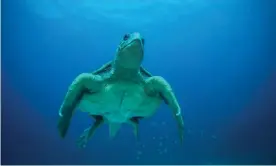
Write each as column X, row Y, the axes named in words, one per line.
column 121, row 91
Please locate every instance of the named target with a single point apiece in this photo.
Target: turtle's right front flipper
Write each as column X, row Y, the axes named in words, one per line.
column 83, row 83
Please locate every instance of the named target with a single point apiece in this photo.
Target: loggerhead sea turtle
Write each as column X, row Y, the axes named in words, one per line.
column 121, row 91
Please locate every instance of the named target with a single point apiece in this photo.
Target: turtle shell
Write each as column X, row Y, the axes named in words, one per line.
column 106, row 68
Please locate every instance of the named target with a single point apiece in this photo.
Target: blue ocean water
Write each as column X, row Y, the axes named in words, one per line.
column 219, row 57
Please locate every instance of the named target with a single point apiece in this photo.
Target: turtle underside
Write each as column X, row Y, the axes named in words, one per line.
column 120, row 101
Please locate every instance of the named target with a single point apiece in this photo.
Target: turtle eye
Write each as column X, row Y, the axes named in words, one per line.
column 143, row 41
column 126, row 36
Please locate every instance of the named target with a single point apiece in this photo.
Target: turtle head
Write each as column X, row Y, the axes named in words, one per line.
column 130, row 52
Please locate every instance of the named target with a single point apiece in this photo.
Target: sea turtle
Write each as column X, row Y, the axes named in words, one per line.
column 121, row 91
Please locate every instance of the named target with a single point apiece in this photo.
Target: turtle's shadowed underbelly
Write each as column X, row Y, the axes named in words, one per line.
column 119, row 107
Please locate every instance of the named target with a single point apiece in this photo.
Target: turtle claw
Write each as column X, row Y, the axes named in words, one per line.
column 83, row 139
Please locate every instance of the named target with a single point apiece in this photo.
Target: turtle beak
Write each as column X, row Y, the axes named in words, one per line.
column 132, row 53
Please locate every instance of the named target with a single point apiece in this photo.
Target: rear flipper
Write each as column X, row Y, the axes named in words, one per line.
column 89, row 132
column 135, row 123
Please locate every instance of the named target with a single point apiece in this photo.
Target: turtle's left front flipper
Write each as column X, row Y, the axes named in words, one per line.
column 160, row 85
column 85, row 82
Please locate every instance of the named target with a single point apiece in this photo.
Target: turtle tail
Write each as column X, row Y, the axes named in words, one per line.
column 113, row 129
